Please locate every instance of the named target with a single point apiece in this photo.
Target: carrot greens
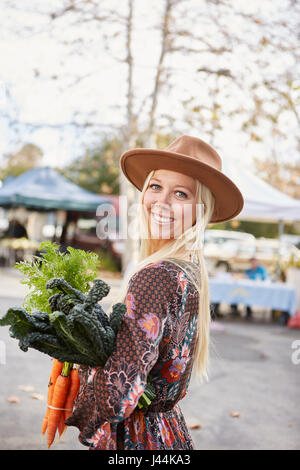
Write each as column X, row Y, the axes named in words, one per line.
column 77, row 267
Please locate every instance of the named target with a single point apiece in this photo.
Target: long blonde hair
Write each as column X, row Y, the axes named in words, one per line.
column 196, row 271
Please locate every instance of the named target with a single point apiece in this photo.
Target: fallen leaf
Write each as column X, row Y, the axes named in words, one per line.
column 37, row 396
column 26, row 388
column 13, row 399
column 235, row 414
column 195, row 426
column 290, row 425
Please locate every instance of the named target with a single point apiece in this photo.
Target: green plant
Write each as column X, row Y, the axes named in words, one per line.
column 76, row 267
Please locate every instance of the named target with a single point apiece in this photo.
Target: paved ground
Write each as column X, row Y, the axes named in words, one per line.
column 252, row 378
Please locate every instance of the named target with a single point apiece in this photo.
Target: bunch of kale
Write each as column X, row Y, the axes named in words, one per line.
column 77, row 330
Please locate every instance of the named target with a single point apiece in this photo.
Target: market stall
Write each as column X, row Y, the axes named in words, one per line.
column 40, row 191
column 271, row 295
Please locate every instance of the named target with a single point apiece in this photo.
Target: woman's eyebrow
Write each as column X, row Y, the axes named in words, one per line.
column 178, row 185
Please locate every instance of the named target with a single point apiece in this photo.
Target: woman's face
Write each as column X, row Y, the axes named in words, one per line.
column 172, row 195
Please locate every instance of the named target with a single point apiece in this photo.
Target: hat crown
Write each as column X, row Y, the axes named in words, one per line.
column 196, row 148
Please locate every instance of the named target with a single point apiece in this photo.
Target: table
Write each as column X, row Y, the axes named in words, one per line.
column 273, row 295
column 15, row 249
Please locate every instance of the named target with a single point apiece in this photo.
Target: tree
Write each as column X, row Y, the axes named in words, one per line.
column 25, row 159
column 215, row 67
column 284, row 176
column 98, row 170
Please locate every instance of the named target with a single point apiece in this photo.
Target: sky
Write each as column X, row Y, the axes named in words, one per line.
column 50, row 77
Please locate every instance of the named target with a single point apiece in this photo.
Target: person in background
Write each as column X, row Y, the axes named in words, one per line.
column 15, row 230
column 222, row 272
column 256, row 272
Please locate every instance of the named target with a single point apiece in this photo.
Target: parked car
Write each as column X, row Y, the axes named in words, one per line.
column 236, row 251
column 220, row 236
column 223, row 245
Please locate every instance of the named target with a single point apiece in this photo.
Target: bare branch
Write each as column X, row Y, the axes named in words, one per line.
column 224, row 72
column 164, row 50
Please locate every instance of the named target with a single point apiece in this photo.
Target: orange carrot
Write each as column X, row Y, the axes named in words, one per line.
column 73, row 392
column 55, row 372
column 61, row 425
column 60, row 393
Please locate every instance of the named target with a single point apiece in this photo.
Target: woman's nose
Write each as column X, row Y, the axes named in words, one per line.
column 163, row 201
column 163, row 198
column 162, row 205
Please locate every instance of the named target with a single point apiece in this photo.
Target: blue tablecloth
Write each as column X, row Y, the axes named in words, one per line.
column 273, row 295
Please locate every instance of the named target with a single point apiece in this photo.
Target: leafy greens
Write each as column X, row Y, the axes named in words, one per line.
column 77, row 267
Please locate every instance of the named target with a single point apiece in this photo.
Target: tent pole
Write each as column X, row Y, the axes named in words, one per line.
column 63, row 237
column 280, row 228
column 280, row 233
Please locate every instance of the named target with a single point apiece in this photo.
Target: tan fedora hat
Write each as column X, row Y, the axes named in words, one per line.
column 193, row 157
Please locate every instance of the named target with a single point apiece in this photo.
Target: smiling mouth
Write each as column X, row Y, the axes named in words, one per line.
column 160, row 219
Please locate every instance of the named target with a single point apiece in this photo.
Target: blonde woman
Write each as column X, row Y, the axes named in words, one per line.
column 164, row 334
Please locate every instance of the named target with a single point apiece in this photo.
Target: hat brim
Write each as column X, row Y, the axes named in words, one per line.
column 136, row 164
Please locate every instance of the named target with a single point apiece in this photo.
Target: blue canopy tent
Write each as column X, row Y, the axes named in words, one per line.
column 45, row 189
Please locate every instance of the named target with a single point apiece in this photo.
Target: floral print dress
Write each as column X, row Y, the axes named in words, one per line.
column 157, row 336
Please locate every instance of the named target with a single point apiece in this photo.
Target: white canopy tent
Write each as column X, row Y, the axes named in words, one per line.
column 263, row 202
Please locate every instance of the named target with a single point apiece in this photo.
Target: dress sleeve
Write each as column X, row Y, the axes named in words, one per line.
column 119, row 385
column 115, row 389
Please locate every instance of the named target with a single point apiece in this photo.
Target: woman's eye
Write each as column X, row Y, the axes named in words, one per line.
column 153, row 184
column 184, row 195
column 181, row 192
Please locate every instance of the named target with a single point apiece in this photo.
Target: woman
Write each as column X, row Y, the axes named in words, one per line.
column 165, row 330
column 222, row 272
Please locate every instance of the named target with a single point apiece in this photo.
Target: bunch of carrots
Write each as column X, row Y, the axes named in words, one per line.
column 63, row 388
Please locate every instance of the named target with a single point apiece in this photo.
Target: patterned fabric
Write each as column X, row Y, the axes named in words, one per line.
column 157, row 336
